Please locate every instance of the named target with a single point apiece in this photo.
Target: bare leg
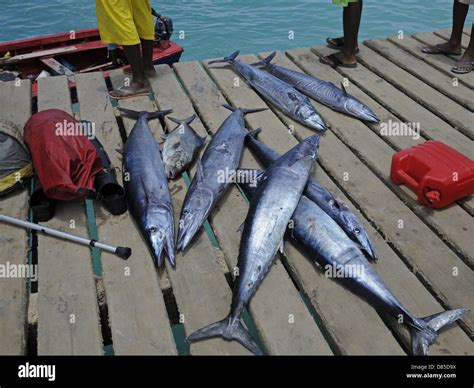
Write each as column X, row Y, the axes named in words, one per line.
column 139, row 83
column 453, row 45
column 147, row 58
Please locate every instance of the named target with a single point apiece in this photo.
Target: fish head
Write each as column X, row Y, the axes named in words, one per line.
column 355, row 229
column 194, row 213
column 358, row 109
column 310, row 117
column 174, row 168
column 157, row 228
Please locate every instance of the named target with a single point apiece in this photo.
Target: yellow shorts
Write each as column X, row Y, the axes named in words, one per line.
column 125, row 22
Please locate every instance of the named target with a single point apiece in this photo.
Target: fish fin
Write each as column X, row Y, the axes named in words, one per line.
column 149, row 115
column 244, row 111
column 266, row 61
column 229, row 330
column 163, row 136
column 119, row 150
column 254, row 133
column 281, row 247
column 240, row 229
column 202, row 140
column 425, row 336
column 230, row 58
column 188, row 121
column 199, row 171
column 344, row 90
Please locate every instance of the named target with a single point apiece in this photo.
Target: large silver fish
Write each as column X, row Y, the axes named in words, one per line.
column 213, row 175
column 278, row 93
column 262, row 236
column 322, row 91
column 341, row 259
column 181, row 146
column 333, row 206
column 146, row 187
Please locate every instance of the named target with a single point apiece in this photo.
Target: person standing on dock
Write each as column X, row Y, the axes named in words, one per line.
column 348, row 44
column 453, row 45
column 130, row 24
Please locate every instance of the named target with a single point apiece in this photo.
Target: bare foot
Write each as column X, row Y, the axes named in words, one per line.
column 443, row 48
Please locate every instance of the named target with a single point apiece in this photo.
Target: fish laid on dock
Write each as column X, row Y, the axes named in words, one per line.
column 262, row 236
column 317, row 193
column 181, row 146
column 340, row 258
column 222, row 157
column 322, row 91
column 146, row 187
column 278, row 93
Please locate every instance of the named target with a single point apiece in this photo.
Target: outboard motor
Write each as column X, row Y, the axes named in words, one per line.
column 163, row 27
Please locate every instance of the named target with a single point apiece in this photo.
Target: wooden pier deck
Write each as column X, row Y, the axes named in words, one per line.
column 87, row 303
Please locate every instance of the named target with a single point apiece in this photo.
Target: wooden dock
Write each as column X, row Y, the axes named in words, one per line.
column 87, row 303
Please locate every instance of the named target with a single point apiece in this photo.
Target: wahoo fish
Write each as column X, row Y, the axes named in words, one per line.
column 278, row 93
column 322, row 91
column 210, row 183
column 181, row 146
column 146, row 187
column 340, row 258
column 264, row 228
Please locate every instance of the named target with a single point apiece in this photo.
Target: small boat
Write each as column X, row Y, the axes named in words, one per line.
column 69, row 53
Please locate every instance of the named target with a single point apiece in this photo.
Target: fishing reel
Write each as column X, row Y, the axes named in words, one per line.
column 163, row 27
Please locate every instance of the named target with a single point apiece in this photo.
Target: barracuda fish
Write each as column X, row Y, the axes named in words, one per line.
column 317, row 193
column 262, row 236
column 181, row 146
column 340, row 258
column 322, row 91
column 146, row 187
column 210, row 183
column 278, row 93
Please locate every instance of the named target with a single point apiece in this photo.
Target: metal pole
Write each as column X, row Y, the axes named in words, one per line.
column 122, row 252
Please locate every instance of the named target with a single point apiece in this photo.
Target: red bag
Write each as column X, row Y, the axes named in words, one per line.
column 65, row 161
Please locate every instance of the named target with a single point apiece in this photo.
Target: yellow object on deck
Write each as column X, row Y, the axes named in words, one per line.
column 125, row 22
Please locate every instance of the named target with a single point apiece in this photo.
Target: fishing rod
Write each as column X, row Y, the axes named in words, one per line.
column 122, row 252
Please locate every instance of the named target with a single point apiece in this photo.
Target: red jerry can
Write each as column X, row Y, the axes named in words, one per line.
column 437, row 173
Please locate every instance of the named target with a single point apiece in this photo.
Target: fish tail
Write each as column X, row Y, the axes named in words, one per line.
column 427, row 332
column 230, row 58
column 245, row 111
column 266, row 61
column 254, row 133
column 230, row 329
column 149, row 115
column 188, row 121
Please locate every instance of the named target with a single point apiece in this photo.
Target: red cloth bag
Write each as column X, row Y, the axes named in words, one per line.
column 65, row 161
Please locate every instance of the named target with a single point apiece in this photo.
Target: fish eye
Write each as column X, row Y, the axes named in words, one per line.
column 356, row 230
column 153, row 230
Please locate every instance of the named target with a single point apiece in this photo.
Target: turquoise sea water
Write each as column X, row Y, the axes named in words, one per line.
column 214, row 28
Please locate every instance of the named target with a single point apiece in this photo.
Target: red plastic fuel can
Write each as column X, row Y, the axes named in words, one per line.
column 437, row 173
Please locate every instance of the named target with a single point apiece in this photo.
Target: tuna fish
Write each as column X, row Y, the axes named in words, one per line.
column 146, row 187
column 278, row 93
column 341, row 259
column 322, row 91
column 317, row 193
column 262, row 236
column 181, row 146
column 220, row 160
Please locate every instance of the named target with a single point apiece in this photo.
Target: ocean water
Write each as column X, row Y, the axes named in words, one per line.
column 214, row 28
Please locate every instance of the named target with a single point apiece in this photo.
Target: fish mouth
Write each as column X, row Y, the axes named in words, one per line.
column 160, row 238
column 370, row 116
column 316, row 122
column 366, row 245
column 309, row 147
column 192, row 219
column 171, row 172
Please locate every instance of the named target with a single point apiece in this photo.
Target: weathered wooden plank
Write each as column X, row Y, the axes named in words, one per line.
column 446, row 34
column 15, row 107
column 199, row 285
column 349, row 338
column 378, row 154
column 137, row 312
column 394, row 100
column 444, row 63
column 425, row 95
column 68, row 320
column 440, row 269
column 277, row 299
column 433, row 77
